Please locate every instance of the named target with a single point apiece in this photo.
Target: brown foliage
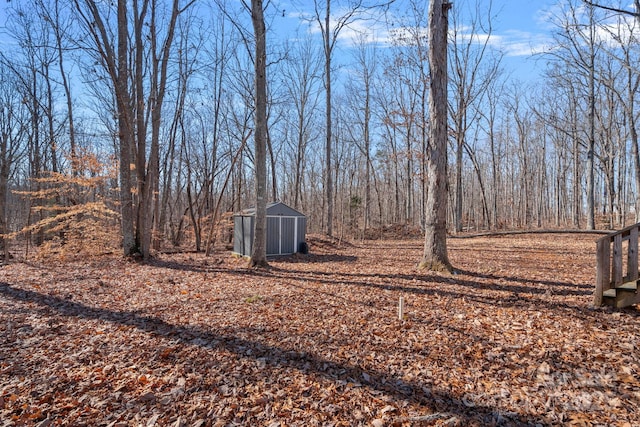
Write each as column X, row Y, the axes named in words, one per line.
column 188, row 340
column 73, row 216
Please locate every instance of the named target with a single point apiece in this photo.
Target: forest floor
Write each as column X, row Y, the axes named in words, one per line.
column 189, row 340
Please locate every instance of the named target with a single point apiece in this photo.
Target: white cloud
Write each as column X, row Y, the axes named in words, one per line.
column 513, row 43
column 521, row 43
column 611, row 28
column 372, row 27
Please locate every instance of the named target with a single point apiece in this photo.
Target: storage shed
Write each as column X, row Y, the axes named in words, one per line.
column 286, row 230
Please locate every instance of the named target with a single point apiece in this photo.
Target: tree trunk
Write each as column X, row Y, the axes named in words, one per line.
column 494, row 179
column 632, row 87
column 116, row 63
column 591, row 225
column 458, row 194
column 367, row 151
column 327, row 72
column 435, row 243
column 125, row 127
column 408, row 202
column 72, row 132
column 259, row 248
column 142, row 178
column 4, row 181
column 576, row 180
column 635, row 152
column 272, row 160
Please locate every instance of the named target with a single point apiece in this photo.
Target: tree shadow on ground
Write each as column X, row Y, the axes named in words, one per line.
column 528, row 285
column 520, row 290
column 457, row 279
column 516, row 291
column 212, row 266
column 275, row 356
column 552, row 283
column 314, row 258
column 502, row 294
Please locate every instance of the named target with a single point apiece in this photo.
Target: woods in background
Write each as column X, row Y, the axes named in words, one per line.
column 164, row 94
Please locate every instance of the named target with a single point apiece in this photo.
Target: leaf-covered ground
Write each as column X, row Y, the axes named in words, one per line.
column 187, row 340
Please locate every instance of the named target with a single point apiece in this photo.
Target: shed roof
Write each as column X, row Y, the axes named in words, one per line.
column 273, row 209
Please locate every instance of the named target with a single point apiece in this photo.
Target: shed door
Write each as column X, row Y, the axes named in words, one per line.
column 287, row 235
column 273, row 235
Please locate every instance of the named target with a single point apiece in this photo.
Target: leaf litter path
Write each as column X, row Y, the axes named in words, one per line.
column 315, row 341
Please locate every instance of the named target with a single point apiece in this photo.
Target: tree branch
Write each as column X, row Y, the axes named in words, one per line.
column 613, row 9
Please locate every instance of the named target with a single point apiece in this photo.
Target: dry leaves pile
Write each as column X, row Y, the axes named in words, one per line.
column 316, row 341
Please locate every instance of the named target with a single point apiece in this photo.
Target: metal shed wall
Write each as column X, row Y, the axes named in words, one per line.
column 288, row 242
column 242, row 234
column 286, row 230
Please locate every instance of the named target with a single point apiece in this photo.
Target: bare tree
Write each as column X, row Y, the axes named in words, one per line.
column 330, row 27
column 13, row 130
column 32, row 65
column 115, row 59
column 303, row 76
column 435, row 243
column 330, row 34
column 148, row 174
column 625, row 53
column 259, row 247
column 472, row 69
column 61, row 26
column 591, row 224
column 636, row 4
column 579, row 46
column 489, row 112
column 126, row 67
column 366, row 62
column 521, row 116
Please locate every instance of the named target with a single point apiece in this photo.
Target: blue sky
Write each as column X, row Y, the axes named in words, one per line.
column 521, row 27
column 523, row 24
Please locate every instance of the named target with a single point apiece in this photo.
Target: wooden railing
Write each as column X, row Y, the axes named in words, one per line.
column 617, row 261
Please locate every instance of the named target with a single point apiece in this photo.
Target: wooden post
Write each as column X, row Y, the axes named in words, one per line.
column 603, row 269
column 617, row 260
column 401, row 309
column 632, row 265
